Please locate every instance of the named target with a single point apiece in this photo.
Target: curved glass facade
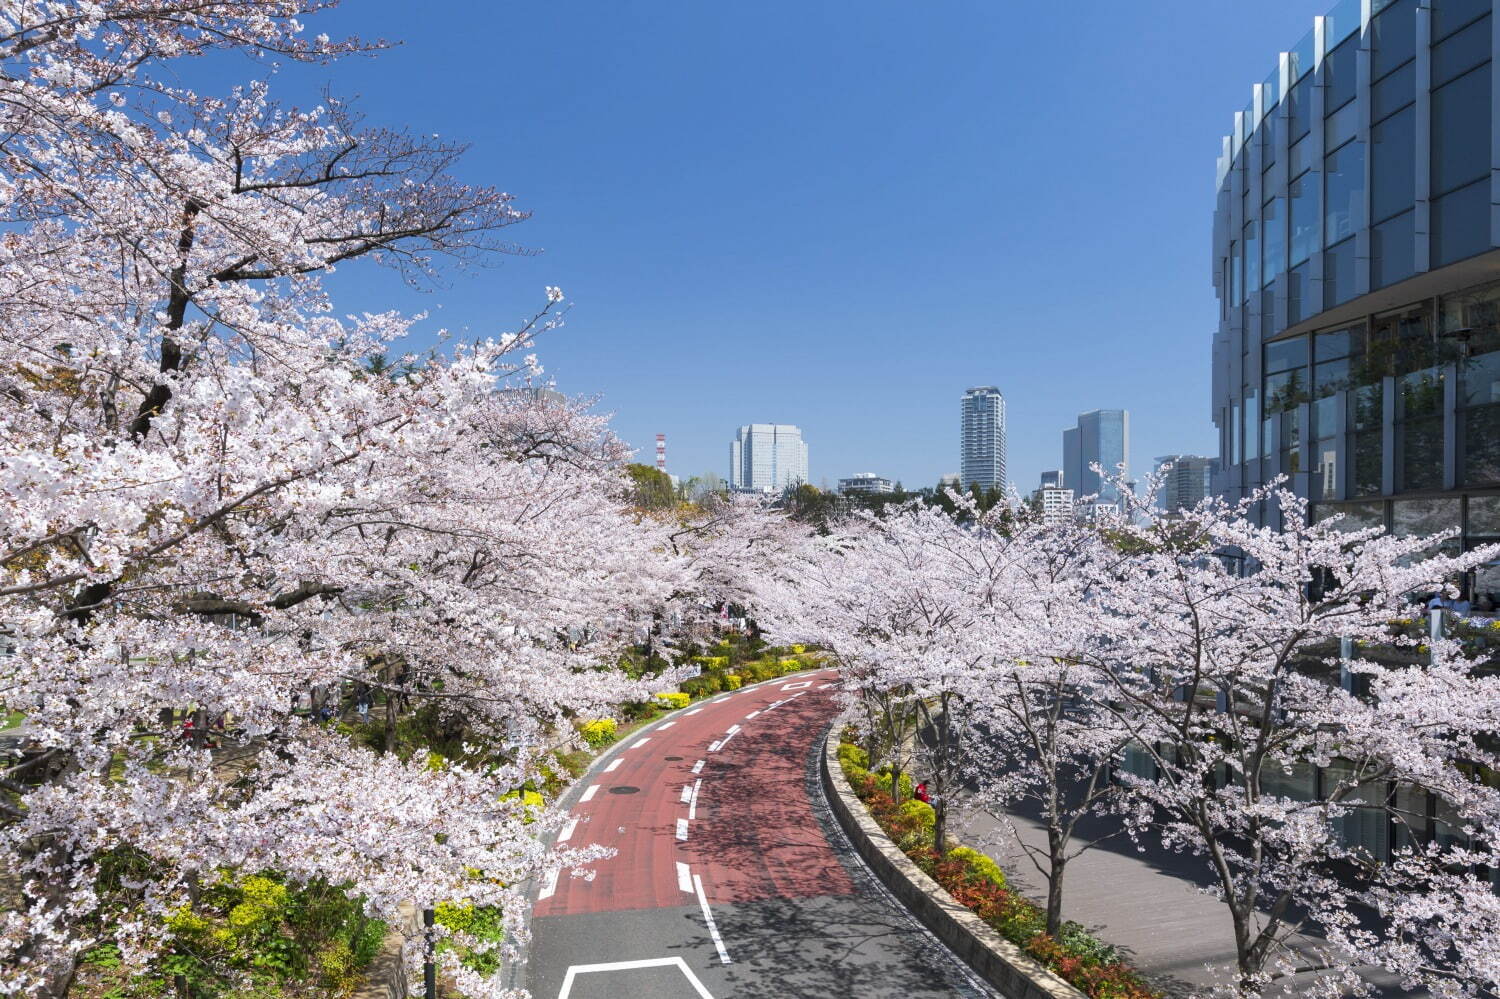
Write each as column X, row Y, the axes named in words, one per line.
column 1357, row 270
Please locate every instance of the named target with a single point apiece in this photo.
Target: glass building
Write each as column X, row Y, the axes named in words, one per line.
column 981, row 453
column 1102, row 437
column 1357, row 264
column 767, row 458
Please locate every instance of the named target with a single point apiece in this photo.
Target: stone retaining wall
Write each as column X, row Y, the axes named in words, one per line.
column 1001, row 963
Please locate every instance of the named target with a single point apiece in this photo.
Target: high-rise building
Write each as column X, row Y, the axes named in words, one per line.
column 1102, row 438
column 767, row 458
column 1187, row 483
column 867, row 484
column 1055, row 504
column 1356, row 259
column 1052, row 479
column 982, row 440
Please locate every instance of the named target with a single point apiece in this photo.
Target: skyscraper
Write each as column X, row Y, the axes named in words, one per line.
column 982, row 444
column 1187, row 483
column 767, row 457
column 1101, row 438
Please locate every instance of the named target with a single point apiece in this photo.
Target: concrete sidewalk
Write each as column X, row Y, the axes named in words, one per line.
column 1150, row 904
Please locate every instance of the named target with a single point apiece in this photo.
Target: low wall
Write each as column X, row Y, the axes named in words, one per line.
column 998, row 961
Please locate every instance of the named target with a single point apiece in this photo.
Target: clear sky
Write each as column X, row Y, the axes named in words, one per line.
column 842, row 214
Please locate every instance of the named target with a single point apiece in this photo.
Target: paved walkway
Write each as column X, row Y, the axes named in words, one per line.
column 1149, row 904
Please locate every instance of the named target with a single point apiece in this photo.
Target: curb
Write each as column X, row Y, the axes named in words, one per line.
column 998, row 961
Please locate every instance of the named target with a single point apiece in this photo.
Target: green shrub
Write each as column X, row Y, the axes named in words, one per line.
column 713, row 662
column 979, row 865
column 599, row 733
column 673, row 699
column 732, row 681
column 852, row 755
column 919, row 812
column 790, row 666
column 703, row 686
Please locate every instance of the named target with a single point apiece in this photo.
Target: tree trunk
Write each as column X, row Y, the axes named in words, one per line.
column 940, row 824
column 1055, row 895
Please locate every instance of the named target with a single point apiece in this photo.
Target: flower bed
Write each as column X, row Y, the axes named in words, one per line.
column 977, row 883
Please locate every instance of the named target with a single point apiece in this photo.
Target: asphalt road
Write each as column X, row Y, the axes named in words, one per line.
column 730, row 878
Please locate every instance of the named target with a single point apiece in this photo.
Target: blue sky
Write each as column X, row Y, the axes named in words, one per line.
column 841, row 214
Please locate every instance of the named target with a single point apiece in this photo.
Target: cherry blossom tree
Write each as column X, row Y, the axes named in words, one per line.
column 215, row 493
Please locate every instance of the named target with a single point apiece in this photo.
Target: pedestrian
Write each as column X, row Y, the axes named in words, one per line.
column 363, row 707
column 922, row 794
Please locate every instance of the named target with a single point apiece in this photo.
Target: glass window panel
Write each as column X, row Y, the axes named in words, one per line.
column 1299, row 109
column 1236, row 274
column 1325, row 469
column 1338, row 274
column 1303, row 219
column 1356, row 516
column 1269, row 144
column 1268, row 326
column 1393, row 37
column 1394, row 92
column 1461, row 53
column 1252, row 258
column 1234, row 434
column 1299, row 161
column 1329, row 379
column 1461, row 223
column 1484, row 515
column 1450, row 15
column 1283, row 355
column 1343, row 191
column 1340, row 126
column 1339, row 67
column 1461, row 131
column 1393, row 250
column 1273, row 231
column 1365, row 471
column 1298, row 307
column 1480, row 446
column 1252, row 425
column 1419, row 517
column 1285, row 390
column 1334, row 343
column 1393, row 165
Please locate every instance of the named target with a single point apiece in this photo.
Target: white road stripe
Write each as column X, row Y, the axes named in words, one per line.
column 733, row 729
column 708, row 917
column 684, row 878
column 724, row 741
column 693, row 801
column 714, row 747
column 682, row 828
column 687, row 792
column 550, row 885
column 695, row 711
column 751, row 715
column 567, row 831
column 614, row 763
column 593, row 789
column 698, row 767
column 666, row 724
column 638, row 744
column 796, row 686
column 656, row 962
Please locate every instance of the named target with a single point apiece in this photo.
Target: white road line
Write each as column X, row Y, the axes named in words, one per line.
column 796, row 686
column 639, row 743
column 687, row 792
column 708, row 917
column 824, row 686
column 656, row 962
column 666, row 724
column 751, row 715
column 567, row 831
column 593, row 789
column 695, row 711
column 714, row 747
column 733, row 729
column 693, row 800
column 614, row 763
column 682, row 828
column 724, row 741
column 550, row 885
column 684, row 878
column 698, row 767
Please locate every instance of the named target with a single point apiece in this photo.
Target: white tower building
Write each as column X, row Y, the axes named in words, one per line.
column 767, row 457
column 982, row 443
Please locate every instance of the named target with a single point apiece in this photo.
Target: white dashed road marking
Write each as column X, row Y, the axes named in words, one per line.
column 693, row 800
column 640, row 743
column 593, row 789
column 682, row 828
column 550, row 885
column 687, row 792
column 684, row 878
column 751, row 715
column 698, row 767
column 708, row 917
column 614, row 763
column 567, row 831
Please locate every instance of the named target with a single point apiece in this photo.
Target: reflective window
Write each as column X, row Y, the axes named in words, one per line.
column 1284, row 355
column 1252, row 259
column 1338, row 274
column 1334, row 344
column 1393, row 165
column 1343, row 191
column 1324, row 464
column 1471, row 321
column 1461, row 53
column 1365, row 466
column 1330, row 378
column 1393, row 37
column 1484, row 515
column 1461, row 131
column 1298, row 307
column 1394, row 92
column 1461, row 223
column 1339, row 67
column 1302, row 219
column 1393, row 250
column 1236, row 274
column 1299, row 109
column 1341, row 126
column 1450, row 15
column 1301, row 154
column 1274, row 241
column 1269, row 143
column 1419, row 517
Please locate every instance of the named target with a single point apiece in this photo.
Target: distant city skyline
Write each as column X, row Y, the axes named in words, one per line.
column 767, row 457
column 1101, row 437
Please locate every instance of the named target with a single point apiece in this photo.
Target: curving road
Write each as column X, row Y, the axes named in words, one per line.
column 730, row 878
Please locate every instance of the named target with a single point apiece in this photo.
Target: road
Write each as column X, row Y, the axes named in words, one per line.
column 730, row 878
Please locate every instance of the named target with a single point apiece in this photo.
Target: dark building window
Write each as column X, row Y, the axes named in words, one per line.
column 1477, row 314
column 1339, row 70
column 1393, row 165
column 1302, row 218
column 1461, row 223
column 1461, row 131
column 1343, row 191
column 1274, row 231
column 1236, row 275
column 1392, row 250
column 1394, row 92
column 1338, row 274
column 1252, row 259
column 1299, row 108
column 1341, row 126
column 1394, row 37
column 1418, row 368
column 1369, row 363
column 1450, row 15
column 1298, row 307
column 1268, row 143
column 1457, row 55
